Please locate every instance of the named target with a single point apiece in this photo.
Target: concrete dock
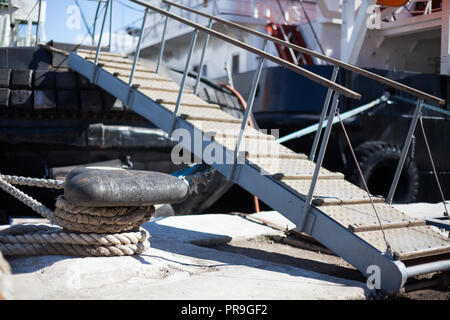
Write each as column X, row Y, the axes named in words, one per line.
column 182, row 263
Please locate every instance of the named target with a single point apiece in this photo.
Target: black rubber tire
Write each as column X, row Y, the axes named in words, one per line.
column 378, row 161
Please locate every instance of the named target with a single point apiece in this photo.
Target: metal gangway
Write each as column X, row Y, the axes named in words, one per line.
column 364, row 230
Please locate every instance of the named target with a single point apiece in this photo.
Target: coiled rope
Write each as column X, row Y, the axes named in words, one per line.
column 82, row 231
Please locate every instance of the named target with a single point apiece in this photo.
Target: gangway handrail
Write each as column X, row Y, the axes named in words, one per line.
column 336, row 62
column 287, row 201
column 306, row 73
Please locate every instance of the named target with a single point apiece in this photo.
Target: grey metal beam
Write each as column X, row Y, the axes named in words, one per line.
column 163, row 43
column 202, row 59
column 326, row 104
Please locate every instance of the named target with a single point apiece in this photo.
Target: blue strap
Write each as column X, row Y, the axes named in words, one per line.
column 425, row 105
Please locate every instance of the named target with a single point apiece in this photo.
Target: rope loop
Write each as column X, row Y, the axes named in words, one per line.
column 82, row 231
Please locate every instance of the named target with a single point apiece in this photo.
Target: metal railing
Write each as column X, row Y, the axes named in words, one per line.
column 332, row 98
column 420, row 95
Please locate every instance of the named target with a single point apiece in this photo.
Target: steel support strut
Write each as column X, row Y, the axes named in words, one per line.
column 100, row 40
column 202, row 59
column 110, row 24
column 404, row 154
column 312, row 155
column 163, row 43
column 323, row 148
column 248, row 111
column 136, row 56
column 183, row 80
column 38, row 22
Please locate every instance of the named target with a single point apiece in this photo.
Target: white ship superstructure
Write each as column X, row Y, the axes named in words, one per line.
column 19, row 20
column 413, row 37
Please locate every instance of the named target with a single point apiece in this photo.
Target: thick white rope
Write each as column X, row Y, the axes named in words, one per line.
column 87, row 231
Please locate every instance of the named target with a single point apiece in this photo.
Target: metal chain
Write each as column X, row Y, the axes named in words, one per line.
column 432, row 164
column 388, row 246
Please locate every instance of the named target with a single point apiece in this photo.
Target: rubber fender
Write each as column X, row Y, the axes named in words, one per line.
column 4, row 97
column 21, row 79
column 5, row 75
column 44, row 100
column 90, row 101
column 66, row 80
column 112, row 187
column 44, row 79
column 67, row 100
column 21, row 100
column 378, row 161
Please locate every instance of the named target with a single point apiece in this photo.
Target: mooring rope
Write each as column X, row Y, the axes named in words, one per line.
column 34, row 182
column 83, row 231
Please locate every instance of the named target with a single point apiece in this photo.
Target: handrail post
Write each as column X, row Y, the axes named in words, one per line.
column 163, row 43
column 312, row 155
column 38, row 22
column 405, row 150
column 110, row 24
column 323, row 148
column 136, row 55
column 100, row 40
column 202, row 59
column 183, row 80
column 248, row 111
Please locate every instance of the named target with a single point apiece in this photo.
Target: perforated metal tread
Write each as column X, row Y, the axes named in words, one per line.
column 297, row 169
column 171, row 97
column 82, row 51
column 340, row 200
column 409, row 243
column 333, row 192
column 362, row 217
column 138, row 75
column 204, row 112
column 154, row 84
column 118, row 63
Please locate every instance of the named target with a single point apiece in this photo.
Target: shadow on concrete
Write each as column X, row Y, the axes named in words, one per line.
column 30, row 264
column 194, row 244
